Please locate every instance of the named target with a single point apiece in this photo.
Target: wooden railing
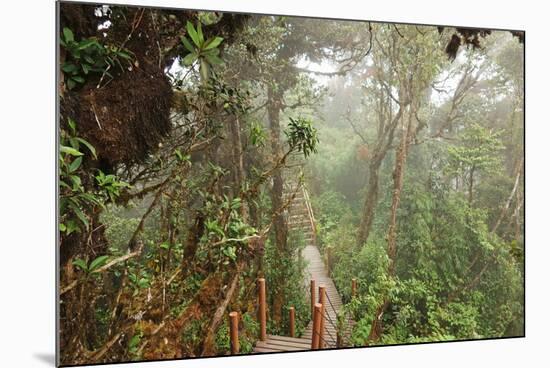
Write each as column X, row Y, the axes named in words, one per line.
column 310, row 214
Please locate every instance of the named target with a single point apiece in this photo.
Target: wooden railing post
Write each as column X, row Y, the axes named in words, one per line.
column 353, row 288
column 322, row 301
column 262, row 309
column 315, row 334
column 234, row 332
column 313, row 301
column 291, row 321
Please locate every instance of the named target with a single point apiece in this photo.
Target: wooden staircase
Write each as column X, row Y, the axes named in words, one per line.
column 300, row 219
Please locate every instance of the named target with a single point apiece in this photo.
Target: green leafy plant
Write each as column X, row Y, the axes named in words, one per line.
column 89, row 56
column 96, row 264
column 302, row 136
column 204, row 51
column 110, row 184
column 74, row 198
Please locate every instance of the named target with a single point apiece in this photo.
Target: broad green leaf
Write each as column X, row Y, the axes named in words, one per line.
column 98, row 262
column 62, row 227
column 69, row 67
column 81, row 216
column 71, row 83
column 88, row 145
column 215, row 52
column 199, row 34
column 68, row 35
column 70, row 151
column 193, row 33
column 75, row 164
column 214, row 60
column 187, row 44
column 72, row 125
column 165, row 246
column 78, row 78
column 80, row 263
column 72, row 227
column 189, row 59
column 84, row 44
column 212, row 43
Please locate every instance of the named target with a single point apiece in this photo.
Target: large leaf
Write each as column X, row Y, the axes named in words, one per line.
column 70, row 151
column 80, row 263
column 187, row 44
column 189, row 59
column 69, row 67
column 213, row 42
column 86, row 43
column 81, row 216
column 193, row 34
column 75, row 164
column 68, row 35
column 88, row 145
column 199, row 34
column 98, row 262
column 214, row 60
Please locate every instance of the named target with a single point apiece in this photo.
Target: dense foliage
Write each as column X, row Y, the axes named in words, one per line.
column 180, row 134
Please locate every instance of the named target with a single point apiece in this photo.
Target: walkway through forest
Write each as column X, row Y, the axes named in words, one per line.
column 300, row 218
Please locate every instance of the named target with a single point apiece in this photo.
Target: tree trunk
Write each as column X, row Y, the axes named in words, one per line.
column 471, row 186
column 279, row 223
column 398, row 174
column 208, row 346
column 239, row 173
column 384, row 142
column 506, row 207
column 371, row 201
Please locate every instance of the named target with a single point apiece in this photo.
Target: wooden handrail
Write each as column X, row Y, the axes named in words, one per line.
column 310, row 213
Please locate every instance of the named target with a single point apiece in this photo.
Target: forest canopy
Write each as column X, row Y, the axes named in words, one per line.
column 201, row 151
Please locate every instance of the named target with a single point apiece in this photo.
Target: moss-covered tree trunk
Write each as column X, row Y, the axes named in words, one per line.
column 279, row 223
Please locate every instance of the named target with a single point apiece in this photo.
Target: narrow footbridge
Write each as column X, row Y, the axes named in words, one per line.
column 326, row 303
column 322, row 331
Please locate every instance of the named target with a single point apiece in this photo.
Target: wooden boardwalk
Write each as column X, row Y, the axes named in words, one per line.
column 300, row 219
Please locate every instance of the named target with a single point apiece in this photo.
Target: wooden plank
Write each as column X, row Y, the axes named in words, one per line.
column 266, row 350
column 283, row 345
column 288, row 338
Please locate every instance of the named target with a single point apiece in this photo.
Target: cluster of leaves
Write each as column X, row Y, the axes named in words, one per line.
column 257, row 134
column 204, row 51
column 477, row 150
column 218, row 230
column 73, row 197
column 89, row 56
column 302, row 136
column 75, row 200
column 94, row 265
